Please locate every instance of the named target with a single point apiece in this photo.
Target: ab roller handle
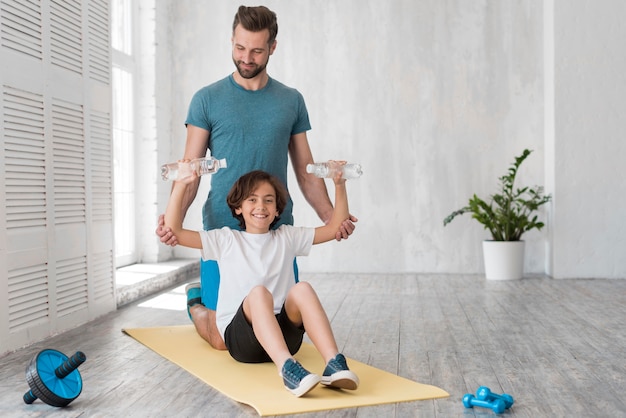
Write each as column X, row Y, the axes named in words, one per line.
column 54, row 378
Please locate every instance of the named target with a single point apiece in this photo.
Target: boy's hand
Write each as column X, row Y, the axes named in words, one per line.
column 188, row 176
column 338, row 178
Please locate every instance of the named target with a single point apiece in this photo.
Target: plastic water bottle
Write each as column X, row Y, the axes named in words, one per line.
column 328, row 170
column 201, row 166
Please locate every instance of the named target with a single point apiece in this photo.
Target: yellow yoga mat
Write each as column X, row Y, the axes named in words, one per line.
column 259, row 385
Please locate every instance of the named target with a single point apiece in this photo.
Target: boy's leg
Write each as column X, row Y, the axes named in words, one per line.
column 258, row 308
column 242, row 342
column 304, row 307
column 203, row 317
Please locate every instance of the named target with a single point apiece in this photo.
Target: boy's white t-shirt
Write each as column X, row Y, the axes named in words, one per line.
column 247, row 260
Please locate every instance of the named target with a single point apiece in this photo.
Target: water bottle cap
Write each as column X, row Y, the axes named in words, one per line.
column 310, row 168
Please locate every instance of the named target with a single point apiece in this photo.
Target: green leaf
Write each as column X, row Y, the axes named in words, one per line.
column 509, row 213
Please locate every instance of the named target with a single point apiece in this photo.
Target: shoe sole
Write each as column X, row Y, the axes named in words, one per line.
column 306, row 385
column 191, row 286
column 344, row 379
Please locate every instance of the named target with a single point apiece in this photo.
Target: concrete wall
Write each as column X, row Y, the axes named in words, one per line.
column 434, row 98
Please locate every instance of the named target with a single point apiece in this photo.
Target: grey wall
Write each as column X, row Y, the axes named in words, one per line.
column 434, row 98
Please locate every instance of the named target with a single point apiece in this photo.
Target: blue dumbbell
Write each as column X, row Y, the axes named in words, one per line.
column 485, row 394
column 497, row 405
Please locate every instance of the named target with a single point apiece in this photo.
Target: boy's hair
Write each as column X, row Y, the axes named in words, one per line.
column 246, row 185
column 256, row 19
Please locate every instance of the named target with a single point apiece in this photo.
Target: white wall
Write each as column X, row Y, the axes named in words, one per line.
column 588, row 227
column 434, row 99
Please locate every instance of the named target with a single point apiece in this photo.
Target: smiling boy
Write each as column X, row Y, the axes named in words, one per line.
column 262, row 313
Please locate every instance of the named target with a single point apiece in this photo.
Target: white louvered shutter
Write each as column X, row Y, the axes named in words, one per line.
column 56, row 220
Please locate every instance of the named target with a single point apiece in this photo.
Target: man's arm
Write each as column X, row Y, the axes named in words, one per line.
column 195, row 147
column 314, row 188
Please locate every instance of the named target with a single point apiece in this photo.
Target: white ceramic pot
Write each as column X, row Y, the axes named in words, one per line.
column 504, row 260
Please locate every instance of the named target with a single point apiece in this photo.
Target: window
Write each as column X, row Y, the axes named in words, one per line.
column 123, row 131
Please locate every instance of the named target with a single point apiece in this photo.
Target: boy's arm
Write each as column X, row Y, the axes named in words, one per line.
column 313, row 188
column 196, row 147
column 340, row 213
column 174, row 217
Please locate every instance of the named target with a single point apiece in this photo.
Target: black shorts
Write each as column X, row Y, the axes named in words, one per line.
column 243, row 345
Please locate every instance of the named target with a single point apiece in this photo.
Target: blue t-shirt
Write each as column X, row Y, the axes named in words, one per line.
column 251, row 129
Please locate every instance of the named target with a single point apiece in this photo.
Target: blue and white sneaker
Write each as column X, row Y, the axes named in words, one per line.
column 194, row 296
column 337, row 374
column 297, row 379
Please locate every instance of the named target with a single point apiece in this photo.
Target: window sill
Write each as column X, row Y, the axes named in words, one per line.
column 137, row 281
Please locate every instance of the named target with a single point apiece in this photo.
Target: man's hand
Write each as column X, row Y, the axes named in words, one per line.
column 346, row 229
column 165, row 234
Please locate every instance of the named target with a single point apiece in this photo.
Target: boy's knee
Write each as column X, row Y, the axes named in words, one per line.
column 303, row 287
column 259, row 292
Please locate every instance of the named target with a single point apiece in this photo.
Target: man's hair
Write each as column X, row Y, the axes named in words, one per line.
column 256, row 19
column 246, row 185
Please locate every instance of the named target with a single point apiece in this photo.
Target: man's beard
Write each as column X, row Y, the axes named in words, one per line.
column 249, row 73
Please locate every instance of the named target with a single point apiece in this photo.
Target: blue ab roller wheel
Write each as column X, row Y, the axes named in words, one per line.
column 54, row 378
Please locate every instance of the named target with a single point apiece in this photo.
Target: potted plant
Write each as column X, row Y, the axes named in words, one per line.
column 508, row 215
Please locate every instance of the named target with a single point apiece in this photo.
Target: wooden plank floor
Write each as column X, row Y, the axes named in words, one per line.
column 557, row 346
